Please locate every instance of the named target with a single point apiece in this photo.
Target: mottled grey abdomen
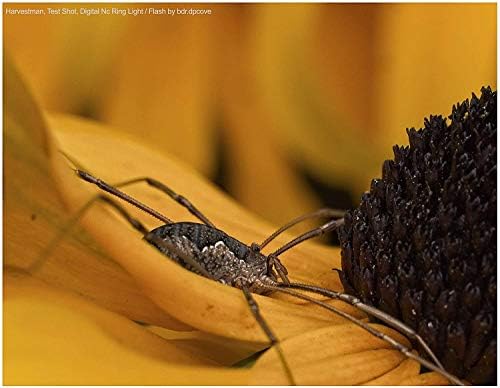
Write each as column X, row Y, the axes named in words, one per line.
column 226, row 259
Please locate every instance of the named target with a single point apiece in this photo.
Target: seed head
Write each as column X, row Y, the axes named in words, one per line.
column 422, row 244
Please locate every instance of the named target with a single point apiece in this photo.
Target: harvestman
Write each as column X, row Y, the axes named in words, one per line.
column 208, row 251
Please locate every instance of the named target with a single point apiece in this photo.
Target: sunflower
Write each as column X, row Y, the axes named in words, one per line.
column 100, row 306
column 105, row 308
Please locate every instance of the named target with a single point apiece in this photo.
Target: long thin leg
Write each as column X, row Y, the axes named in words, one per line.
column 317, row 214
column 76, row 217
column 329, row 226
column 254, row 308
column 370, row 310
column 35, row 266
column 395, row 344
column 136, row 224
column 274, row 262
column 120, row 194
column 325, row 228
column 183, row 201
column 112, row 189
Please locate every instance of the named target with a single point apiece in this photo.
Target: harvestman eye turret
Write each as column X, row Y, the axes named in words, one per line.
column 210, row 252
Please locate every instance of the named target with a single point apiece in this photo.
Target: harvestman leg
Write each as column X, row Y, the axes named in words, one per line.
column 151, row 182
column 158, row 241
column 316, row 232
column 398, row 346
column 76, row 217
column 386, row 318
column 273, row 260
column 327, row 227
column 254, row 308
column 136, row 224
column 370, row 310
column 331, row 213
column 184, row 202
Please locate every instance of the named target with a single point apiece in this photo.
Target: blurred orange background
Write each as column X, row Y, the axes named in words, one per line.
column 289, row 107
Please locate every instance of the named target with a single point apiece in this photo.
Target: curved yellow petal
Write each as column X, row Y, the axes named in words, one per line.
column 87, row 262
column 202, row 303
column 334, row 355
column 52, row 337
column 34, row 214
column 46, row 305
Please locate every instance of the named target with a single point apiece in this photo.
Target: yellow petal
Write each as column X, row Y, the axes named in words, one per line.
column 460, row 39
column 408, row 368
column 259, row 164
column 431, row 378
column 162, row 88
column 308, row 124
column 34, row 214
column 341, row 96
column 80, row 64
column 50, row 48
column 116, row 288
column 350, row 369
column 209, row 306
column 335, row 355
column 54, row 338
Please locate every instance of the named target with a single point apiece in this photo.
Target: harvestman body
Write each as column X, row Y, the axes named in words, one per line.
column 210, row 252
